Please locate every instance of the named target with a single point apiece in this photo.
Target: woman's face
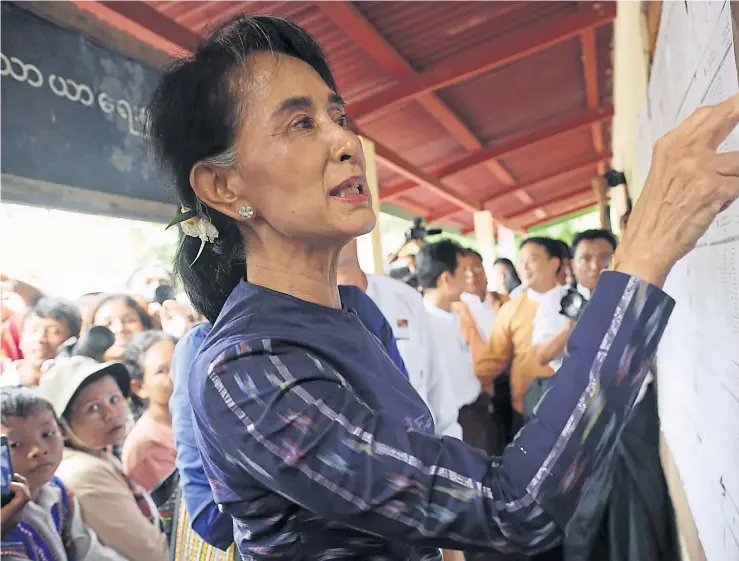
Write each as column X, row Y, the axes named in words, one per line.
column 156, row 386
column 123, row 321
column 98, row 415
column 299, row 167
column 501, row 274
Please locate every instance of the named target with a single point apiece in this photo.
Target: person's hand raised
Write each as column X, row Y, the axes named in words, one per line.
column 688, row 185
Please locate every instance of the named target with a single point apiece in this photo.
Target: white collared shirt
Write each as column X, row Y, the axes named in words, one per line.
column 482, row 312
column 548, row 322
column 403, row 308
column 455, row 354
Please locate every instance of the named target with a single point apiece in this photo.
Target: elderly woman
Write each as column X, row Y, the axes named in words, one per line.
column 307, row 440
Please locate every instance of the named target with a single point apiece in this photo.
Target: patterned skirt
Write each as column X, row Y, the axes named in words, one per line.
column 186, row 545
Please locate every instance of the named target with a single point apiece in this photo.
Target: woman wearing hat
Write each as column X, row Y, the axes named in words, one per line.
column 90, row 399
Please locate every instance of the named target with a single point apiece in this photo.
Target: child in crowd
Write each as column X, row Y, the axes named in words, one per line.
column 90, row 401
column 46, row 325
column 49, row 525
column 149, row 452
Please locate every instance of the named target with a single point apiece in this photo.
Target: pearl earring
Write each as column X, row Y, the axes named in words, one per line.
column 246, row 212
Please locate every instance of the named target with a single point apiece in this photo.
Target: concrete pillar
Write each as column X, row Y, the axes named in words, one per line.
column 507, row 243
column 485, row 238
column 369, row 247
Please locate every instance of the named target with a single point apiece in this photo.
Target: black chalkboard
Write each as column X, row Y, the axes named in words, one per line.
column 72, row 111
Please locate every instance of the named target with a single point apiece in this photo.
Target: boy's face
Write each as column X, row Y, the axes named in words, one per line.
column 36, row 446
column 41, row 338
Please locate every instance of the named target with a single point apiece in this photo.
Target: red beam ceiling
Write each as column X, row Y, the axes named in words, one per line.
column 560, row 173
column 148, row 24
column 369, row 39
column 488, row 57
column 559, row 215
column 590, row 72
column 442, row 214
column 536, row 182
column 501, row 149
column 393, row 161
column 579, row 194
column 504, row 148
column 145, row 23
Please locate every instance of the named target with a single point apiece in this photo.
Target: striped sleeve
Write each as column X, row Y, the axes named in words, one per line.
column 292, row 422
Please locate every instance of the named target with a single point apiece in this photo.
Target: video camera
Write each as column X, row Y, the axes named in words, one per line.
column 572, row 304
column 93, row 343
column 419, row 231
column 614, row 178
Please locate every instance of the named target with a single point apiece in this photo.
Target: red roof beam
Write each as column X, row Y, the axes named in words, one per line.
column 562, row 214
column 412, row 207
column 547, row 178
column 487, row 57
column 395, row 162
column 501, row 149
column 506, row 147
column 145, row 23
column 590, row 71
column 443, row 214
column 370, row 40
column 576, row 196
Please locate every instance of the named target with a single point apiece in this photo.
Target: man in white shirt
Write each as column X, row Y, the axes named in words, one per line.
column 403, row 308
column 442, row 279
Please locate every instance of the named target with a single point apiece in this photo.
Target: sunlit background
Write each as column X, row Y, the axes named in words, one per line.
column 70, row 254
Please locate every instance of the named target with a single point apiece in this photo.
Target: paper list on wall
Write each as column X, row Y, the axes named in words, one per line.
column 698, row 359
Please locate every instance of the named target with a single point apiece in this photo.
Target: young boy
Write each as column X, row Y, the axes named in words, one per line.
column 49, row 525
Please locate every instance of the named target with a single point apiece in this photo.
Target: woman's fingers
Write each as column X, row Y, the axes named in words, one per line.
column 708, row 126
column 726, row 163
column 719, row 123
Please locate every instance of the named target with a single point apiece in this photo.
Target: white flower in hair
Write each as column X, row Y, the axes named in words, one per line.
column 195, row 227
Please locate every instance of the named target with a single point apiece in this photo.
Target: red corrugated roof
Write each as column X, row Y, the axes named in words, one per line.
column 457, row 94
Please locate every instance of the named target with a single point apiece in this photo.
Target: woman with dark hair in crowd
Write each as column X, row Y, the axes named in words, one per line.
column 46, row 325
column 146, row 279
column 505, row 276
column 148, row 453
column 90, row 401
column 308, row 437
column 124, row 315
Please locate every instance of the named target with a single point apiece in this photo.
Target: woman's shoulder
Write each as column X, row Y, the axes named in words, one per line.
column 81, row 470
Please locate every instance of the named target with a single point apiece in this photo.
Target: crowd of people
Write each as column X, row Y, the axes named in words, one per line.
column 85, row 407
column 294, row 407
column 88, row 407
